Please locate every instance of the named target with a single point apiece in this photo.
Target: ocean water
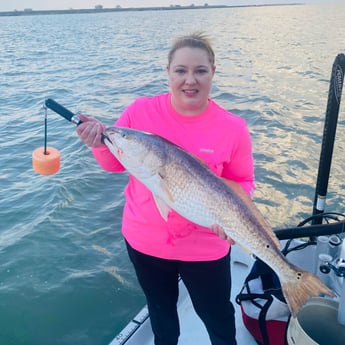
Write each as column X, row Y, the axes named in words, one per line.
column 64, row 274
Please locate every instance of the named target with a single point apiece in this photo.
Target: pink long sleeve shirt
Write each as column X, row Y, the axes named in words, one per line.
column 217, row 137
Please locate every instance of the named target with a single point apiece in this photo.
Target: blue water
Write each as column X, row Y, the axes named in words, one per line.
column 64, row 274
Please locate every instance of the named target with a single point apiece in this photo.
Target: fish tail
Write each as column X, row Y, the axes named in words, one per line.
column 305, row 285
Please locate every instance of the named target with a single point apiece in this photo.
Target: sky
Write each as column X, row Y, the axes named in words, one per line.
column 10, row 5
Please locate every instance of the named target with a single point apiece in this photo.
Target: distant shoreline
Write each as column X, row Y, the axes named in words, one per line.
column 31, row 12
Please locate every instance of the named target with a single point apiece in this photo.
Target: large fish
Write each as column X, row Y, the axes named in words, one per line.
column 179, row 181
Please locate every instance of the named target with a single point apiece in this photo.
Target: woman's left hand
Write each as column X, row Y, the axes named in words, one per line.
column 221, row 233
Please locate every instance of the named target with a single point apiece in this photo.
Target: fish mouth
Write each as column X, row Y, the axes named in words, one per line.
column 110, row 133
column 105, row 137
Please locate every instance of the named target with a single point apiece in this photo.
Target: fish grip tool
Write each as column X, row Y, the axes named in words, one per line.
column 61, row 110
column 46, row 160
column 65, row 113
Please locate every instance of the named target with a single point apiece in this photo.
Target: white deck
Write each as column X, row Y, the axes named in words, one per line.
column 193, row 332
column 192, row 329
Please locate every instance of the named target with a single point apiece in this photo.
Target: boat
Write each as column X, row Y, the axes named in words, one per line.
column 138, row 330
column 320, row 224
column 306, row 237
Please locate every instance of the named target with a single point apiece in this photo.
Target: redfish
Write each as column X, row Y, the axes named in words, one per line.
column 181, row 182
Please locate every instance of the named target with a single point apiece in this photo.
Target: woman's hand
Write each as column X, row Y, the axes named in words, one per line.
column 90, row 131
column 217, row 228
column 221, row 233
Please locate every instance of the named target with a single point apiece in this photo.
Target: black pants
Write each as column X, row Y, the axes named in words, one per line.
column 208, row 284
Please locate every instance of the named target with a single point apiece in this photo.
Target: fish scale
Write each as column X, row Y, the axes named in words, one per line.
column 179, row 181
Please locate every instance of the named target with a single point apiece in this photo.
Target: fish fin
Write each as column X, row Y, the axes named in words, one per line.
column 164, row 188
column 305, row 285
column 227, row 230
column 165, row 194
column 163, row 208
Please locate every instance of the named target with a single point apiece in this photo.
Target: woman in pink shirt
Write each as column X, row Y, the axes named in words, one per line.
column 162, row 251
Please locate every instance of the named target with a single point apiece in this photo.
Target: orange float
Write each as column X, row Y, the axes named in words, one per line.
column 46, row 161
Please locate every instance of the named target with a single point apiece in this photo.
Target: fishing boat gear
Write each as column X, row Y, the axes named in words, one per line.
column 263, row 307
column 261, row 301
column 64, row 112
column 315, row 235
column 338, row 268
column 264, row 311
column 46, row 159
column 330, row 126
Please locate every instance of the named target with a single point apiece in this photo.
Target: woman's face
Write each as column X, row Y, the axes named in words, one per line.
column 190, row 76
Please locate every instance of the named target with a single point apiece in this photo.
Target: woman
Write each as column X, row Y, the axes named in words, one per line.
column 160, row 250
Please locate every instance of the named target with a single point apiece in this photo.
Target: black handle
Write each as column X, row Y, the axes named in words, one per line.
column 61, row 110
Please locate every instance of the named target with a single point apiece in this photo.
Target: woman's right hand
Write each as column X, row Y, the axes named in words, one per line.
column 90, row 131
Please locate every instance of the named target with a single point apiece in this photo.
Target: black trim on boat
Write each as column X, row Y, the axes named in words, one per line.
column 131, row 327
column 311, row 231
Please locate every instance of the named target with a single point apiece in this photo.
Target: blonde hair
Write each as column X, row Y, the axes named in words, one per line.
column 194, row 40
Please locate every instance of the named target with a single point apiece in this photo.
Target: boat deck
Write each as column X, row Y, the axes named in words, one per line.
column 138, row 331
